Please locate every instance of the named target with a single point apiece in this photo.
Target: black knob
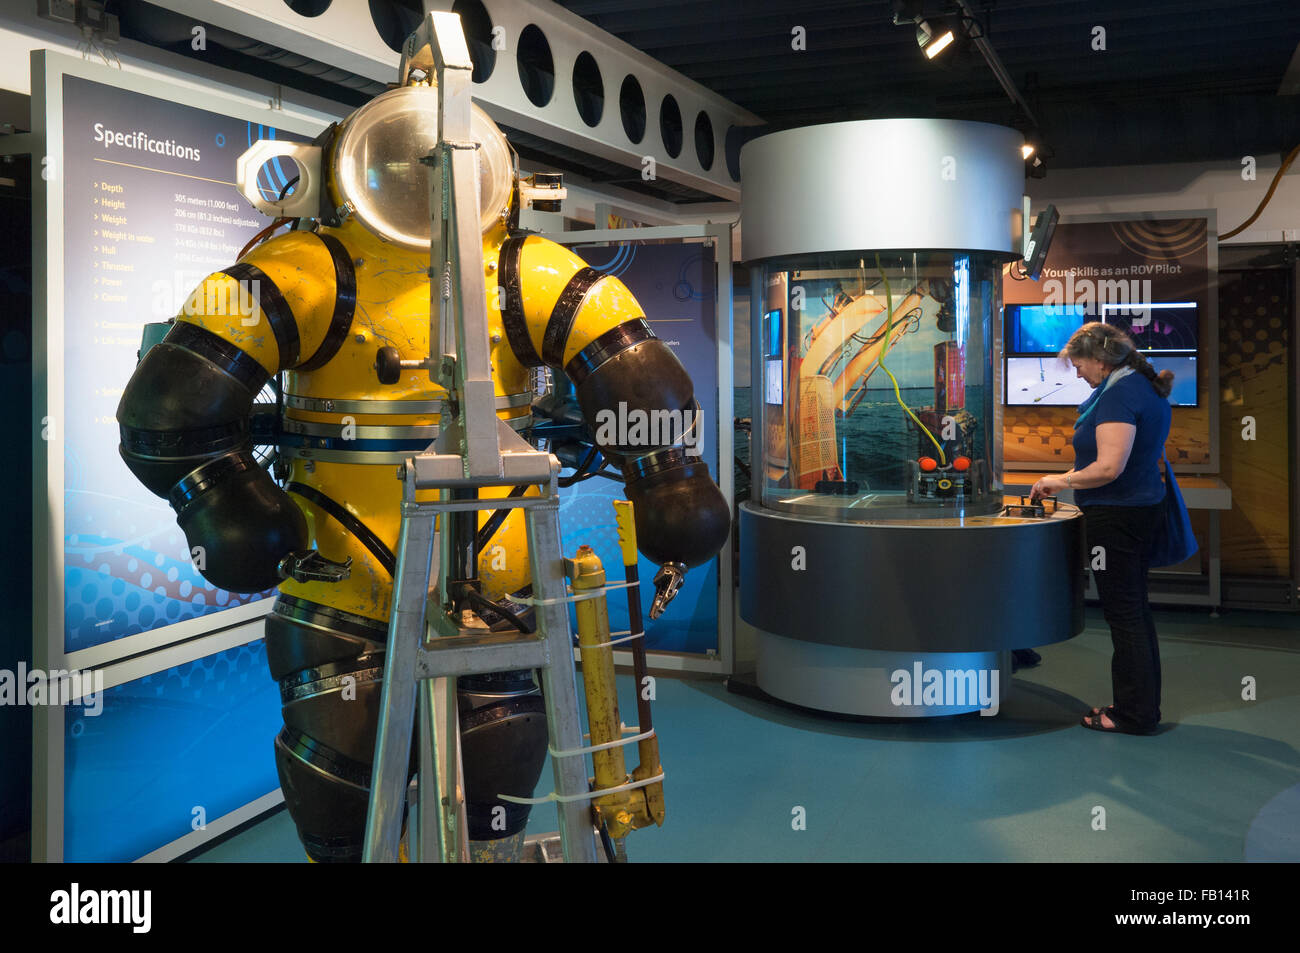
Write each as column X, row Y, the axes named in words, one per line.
column 388, row 365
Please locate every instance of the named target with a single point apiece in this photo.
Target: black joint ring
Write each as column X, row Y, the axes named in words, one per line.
column 321, row 616
column 276, row 309
column 510, row 291
column 318, row 680
column 611, row 343
column 322, row 756
column 345, row 304
column 642, row 468
column 565, row 313
column 216, row 350
column 179, row 444
column 203, row 478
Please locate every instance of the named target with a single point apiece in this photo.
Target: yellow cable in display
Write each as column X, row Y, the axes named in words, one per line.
column 889, row 331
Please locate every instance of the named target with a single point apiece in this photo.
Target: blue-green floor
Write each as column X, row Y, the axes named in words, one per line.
column 1221, row 782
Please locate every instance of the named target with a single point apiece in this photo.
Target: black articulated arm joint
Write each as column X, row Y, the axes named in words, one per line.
column 626, row 377
column 638, row 401
column 184, row 422
column 184, row 425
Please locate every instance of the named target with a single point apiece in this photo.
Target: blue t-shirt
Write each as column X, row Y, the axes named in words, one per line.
column 1130, row 400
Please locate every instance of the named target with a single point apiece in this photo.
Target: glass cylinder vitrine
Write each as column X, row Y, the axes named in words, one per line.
column 877, row 548
column 877, row 394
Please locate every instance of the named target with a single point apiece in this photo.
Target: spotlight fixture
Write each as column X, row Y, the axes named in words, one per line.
column 936, row 34
column 956, row 27
column 1035, row 166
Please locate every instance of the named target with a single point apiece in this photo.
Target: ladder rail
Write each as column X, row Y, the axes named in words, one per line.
column 426, row 653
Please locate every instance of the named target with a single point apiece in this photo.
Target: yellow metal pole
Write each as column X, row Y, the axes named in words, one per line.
column 601, row 692
column 647, row 748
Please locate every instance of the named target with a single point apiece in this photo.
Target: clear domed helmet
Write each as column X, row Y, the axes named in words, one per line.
column 374, row 170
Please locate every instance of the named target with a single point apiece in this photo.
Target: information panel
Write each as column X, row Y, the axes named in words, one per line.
column 150, row 210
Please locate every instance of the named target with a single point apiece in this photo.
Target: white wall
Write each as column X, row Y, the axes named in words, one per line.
column 21, row 31
column 1154, row 188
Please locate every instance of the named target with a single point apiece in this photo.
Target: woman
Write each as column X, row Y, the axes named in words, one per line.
column 1119, row 439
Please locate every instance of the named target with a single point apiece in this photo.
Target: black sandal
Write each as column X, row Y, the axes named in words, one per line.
column 1117, row 727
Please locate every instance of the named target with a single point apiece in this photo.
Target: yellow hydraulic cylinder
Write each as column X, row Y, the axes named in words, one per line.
column 647, row 748
column 622, row 811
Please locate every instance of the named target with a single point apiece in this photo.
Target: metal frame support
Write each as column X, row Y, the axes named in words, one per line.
column 427, row 650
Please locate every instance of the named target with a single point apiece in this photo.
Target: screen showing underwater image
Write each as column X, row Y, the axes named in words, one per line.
column 1041, row 328
column 888, row 403
column 1046, row 381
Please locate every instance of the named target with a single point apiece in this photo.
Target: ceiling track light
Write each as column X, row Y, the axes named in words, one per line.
column 935, row 35
column 938, row 35
column 1035, row 155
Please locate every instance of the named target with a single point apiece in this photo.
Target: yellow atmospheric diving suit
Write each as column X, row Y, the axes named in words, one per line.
column 323, row 304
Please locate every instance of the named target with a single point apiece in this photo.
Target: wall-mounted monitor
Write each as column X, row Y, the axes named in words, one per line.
column 773, row 322
column 1184, row 368
column 1049, row 382
column 1156, row 326
column 773, row 391
column 1044, row 381
column 1042, row 328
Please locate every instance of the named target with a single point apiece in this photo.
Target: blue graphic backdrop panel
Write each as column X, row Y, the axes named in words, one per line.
column 676, row 286
column 199, row 735
column 150, row 210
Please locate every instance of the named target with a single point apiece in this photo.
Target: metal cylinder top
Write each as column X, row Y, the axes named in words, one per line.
column 883, row 184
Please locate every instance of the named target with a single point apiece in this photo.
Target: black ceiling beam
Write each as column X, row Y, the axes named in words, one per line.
column 648, row 12
column 1242, row 40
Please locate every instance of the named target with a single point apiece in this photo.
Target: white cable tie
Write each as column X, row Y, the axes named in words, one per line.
column 577, row 596
column 601, row 747
column 590, row 795
column 628, row 636
column 623, row 729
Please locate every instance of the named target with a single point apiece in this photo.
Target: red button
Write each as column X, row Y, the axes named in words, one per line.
column 928, row 464
column 961, row 463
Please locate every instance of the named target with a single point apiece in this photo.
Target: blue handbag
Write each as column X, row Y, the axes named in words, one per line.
column 1174, row 541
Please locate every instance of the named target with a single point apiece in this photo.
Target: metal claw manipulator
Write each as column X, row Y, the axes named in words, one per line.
column 338, row 309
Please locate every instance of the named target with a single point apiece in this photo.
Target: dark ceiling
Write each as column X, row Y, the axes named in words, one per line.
column 1179, row 80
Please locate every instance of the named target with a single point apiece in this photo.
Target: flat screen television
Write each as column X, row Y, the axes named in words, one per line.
column 1157, row 326
column 773, row 321
column 1042, row 328
column 1048, row 382
column 772, row 389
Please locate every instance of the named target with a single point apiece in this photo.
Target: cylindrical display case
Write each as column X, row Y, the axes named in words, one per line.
column 877, row 543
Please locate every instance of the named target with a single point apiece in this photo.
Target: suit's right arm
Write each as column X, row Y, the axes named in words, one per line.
column 184, row 416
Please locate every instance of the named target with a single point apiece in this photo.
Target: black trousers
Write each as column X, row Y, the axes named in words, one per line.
column 1123, row 535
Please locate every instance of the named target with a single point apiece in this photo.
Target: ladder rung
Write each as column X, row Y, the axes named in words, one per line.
column 483, row 503
column 479, row 655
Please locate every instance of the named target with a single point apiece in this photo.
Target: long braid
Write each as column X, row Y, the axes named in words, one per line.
column 1163, row 383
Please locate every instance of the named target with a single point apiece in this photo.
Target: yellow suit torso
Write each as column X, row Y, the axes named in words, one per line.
column 335, row 447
